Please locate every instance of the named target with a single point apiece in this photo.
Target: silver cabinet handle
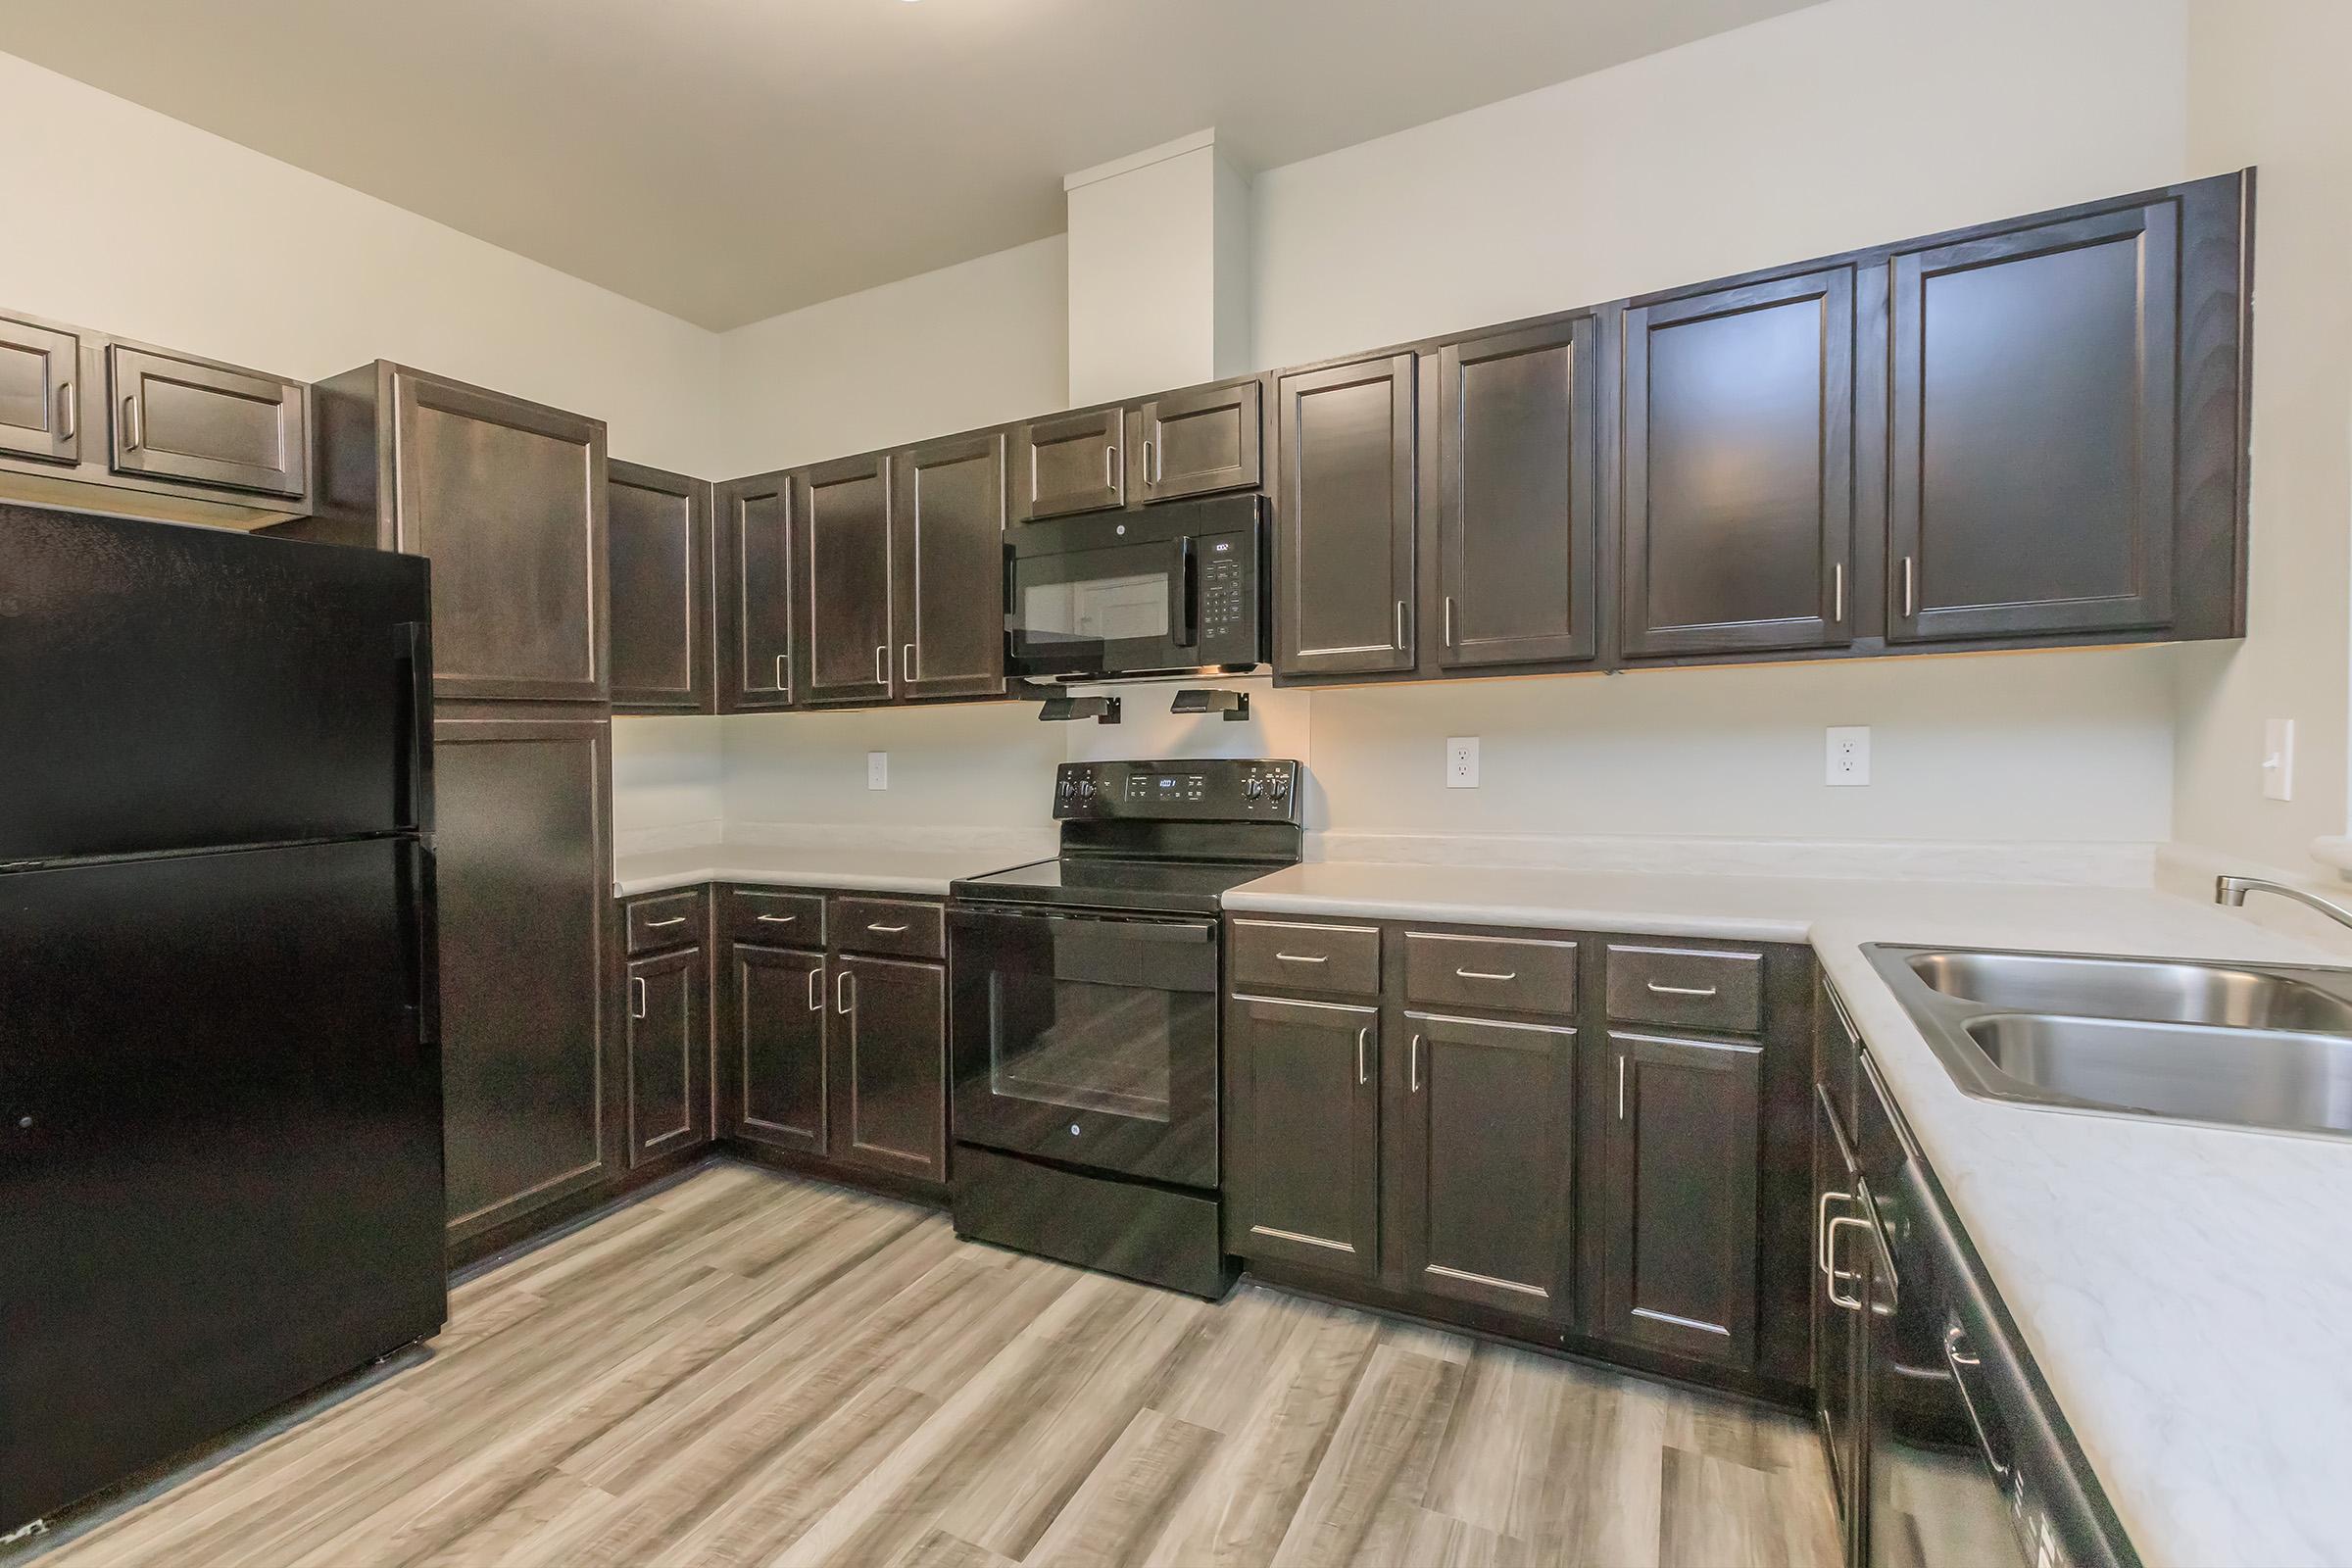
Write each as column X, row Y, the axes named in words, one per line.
column 1681, row 990
column 1151, row 463
column 1821, row 1228
column 1851, row 1303
column 1363, row 1054
column 1621, row 1086
column 906, row 661
column 1119, row 457
column 1486, row 974
column 663, row 925
column 778, row 919
column 881, row 664
column 1108, row 452
column 1838, row 593
column 886, row 930
column 1304, row 958
column 784, row 675
column 130, row 424
column 816, row 989
column 1449, row 620
column 1415, row 1078
column 637, row 1001
column 1910, row 585
column 845, row 993
column 1400, row 626
column 1962, row 1362
column 68, row 418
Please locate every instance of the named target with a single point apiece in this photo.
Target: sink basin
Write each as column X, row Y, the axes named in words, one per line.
column 2237, row 1044
column 2134, row 988
column 2291, row 1081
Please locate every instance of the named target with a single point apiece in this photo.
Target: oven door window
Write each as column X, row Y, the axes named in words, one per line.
column 1083, row 612
column 1090, row 1039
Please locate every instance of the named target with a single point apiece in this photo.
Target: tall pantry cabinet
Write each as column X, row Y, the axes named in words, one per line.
column 509, row 501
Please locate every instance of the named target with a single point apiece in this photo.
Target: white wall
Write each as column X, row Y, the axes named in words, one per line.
column 983, row 765
column 666, row 782
column 154, row 229
column 2267, row 87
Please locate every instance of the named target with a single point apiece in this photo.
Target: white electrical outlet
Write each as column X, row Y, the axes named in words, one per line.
column 1462, row 763
column 1849, row 754
column 2278, row 759
column 877, row 770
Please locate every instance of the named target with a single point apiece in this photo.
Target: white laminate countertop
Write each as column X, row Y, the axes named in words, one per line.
column 2186, row 1291
column 864, row 868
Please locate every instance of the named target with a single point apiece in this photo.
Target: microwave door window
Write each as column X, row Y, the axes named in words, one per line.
column 1096, row 610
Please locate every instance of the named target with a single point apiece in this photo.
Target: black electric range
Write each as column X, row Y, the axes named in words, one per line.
column 1084, row 1022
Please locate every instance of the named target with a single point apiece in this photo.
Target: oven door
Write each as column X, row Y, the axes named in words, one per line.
column 1088, row 1038
column 1117, row 608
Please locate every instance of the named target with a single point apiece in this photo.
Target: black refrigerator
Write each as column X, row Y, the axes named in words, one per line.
column 220, row 1166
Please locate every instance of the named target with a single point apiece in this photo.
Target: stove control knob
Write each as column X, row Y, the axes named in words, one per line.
column 1278, row 786
column 1086, row 789
column 1254, row 787
column 1067, row 789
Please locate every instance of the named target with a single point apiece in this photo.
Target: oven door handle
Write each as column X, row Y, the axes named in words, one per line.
column 1184, row 597
column 1189, row 933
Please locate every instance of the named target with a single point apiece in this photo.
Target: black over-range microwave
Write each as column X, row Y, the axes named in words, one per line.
column 1177, row 589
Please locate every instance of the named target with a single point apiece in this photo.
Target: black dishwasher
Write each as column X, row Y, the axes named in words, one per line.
column 1967, row 1464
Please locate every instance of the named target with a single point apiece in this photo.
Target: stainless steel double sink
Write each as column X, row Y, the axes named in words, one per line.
column 2262, row 1046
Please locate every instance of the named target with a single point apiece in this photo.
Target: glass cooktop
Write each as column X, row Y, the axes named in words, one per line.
column 1114, row 882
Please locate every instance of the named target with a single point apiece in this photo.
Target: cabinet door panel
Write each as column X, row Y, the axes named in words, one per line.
column 507, row 501
column 1518, row 520
column 845, row 619
column 525, row 870
column 660, row 529
column 669, row 1055
column 176, row 419
column 1739, row 468
column 39, row 382
column 755, row 559
column 1678, row 1197
column 1073, row 462
column 1483, row 1164
column 947, row 568
column 888, row 1059
column 1199, row 442
column 1302, row 1120
column 772, row 1045
column 1345, row 512
column 2033, row 429
column 1834, row 1283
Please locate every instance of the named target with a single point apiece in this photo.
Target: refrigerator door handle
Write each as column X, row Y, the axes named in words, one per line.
column 417, row 889
column 415, row 719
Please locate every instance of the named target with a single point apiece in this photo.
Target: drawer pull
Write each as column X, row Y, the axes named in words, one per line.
column 778, row 919
column 1486, row 974
column 879, row 929
column 1681, row 990
column 659, row 925
column 1304, row 958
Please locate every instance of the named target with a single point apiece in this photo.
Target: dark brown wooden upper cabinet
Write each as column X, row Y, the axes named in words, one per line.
column 204, row 424
column 947, row 542
column 755, row 558
column 1303, row 1172
column 2034, row 428
column 1344, row 517
column 1200, row 441
column 39, row 381
column 1519, row 498
column 1739, row 442
column 1070, row 463
column 658, row 529
column 1682, row 1263
column 1483, row 1178
column 844, row 516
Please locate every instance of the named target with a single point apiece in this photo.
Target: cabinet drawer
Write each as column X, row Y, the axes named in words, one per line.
column 896, row 926
column 1516, row 974
column 1287, row 955
column 1689, row 987
column 671, row 921
column 776, row 919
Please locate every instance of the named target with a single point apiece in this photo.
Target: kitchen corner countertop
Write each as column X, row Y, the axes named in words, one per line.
column 2184, row 1290
column 858, row 867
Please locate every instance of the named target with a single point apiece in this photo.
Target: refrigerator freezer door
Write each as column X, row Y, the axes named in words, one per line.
column 220, row 1147
column 177, row 687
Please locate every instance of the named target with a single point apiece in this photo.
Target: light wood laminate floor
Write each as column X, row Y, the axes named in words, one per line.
column 749, row 1369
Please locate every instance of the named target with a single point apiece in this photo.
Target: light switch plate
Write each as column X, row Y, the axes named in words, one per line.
column 877, row 770
column 2278, row 759
column 1462, row 763
column 1850, row 754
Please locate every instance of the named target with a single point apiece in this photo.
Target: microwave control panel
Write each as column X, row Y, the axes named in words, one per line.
column 1227, row 564
column 1219, row 790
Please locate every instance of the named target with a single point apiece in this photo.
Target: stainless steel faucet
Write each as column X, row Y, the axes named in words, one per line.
column 2232, row 891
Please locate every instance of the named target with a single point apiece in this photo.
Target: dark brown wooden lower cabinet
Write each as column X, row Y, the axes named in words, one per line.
column 669, row 1053
column 771, row 1048
column 1678, row 1199
column 1303, row 1132
column 525, row 870
column 886, row 1055
column 1480, row 1164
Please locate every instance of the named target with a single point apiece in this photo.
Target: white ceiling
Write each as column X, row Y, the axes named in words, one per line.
column 725, row 159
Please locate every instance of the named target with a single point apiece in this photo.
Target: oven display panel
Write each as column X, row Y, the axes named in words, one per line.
column 1147, row 787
